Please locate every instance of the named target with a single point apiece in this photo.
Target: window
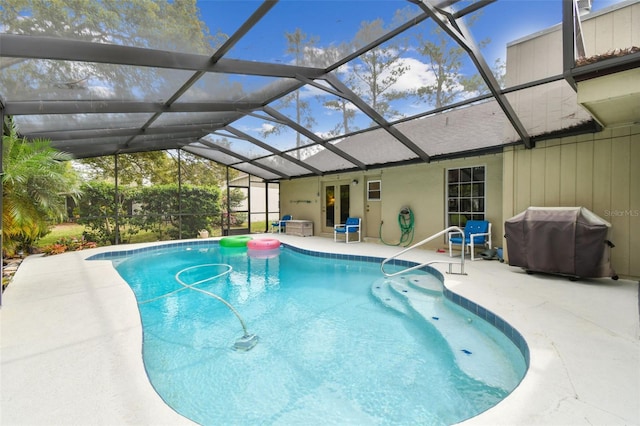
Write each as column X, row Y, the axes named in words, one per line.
column 374, row 190
column 465, row 195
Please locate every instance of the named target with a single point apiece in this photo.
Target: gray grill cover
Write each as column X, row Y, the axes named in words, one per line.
column 560, row 240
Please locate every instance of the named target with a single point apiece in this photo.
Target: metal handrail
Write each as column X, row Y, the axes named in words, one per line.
column 453, row 229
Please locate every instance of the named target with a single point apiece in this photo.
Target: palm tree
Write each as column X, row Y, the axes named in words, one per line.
column 35, row 181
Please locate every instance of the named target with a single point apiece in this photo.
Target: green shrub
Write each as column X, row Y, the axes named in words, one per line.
column 165, row 210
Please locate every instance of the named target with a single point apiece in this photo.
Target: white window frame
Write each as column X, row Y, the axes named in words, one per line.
column 379, row 190
column 459, row 197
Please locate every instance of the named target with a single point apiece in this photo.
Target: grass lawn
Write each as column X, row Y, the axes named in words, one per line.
column 71, row 230
column 74, row 230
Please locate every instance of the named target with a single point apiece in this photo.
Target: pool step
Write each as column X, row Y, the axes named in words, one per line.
column 410, row 293
column 388, row 290
column 382, row 289
column 472, row 350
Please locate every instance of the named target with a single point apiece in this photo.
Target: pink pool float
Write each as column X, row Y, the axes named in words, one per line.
column 263, row 244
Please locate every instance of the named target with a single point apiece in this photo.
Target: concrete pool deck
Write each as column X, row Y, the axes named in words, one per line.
column 71, row 342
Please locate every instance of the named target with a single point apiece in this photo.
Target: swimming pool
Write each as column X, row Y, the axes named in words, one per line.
column 332, row 349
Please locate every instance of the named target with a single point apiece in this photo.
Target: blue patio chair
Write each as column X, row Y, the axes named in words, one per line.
column 476, row 233
column 281, row 224
column 351, row 226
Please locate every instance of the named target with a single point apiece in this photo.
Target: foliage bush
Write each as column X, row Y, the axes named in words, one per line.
column 198, row 207
column 35, row 181
column 97, row 211
column 157, row 208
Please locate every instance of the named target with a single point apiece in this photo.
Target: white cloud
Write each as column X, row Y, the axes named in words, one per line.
column 418, row 75
column 265, row 128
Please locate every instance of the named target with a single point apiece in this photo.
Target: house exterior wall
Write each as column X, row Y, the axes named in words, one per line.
column 419, row 186
column 597, row 171
column 609, row 29
column 301, row 199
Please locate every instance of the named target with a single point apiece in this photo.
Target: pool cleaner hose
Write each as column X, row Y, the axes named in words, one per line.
column 406, row 224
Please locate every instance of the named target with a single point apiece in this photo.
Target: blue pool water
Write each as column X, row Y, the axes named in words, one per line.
column 338, row 342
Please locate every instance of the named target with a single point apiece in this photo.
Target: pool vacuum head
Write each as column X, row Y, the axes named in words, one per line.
column 246, row 342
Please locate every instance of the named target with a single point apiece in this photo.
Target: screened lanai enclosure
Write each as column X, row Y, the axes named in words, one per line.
column 278, row 90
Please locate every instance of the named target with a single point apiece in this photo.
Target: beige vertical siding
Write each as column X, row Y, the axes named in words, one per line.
column 584, row 171
column 599, row 172
column 620, row 28
column 540, row 55
column 531, row 58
